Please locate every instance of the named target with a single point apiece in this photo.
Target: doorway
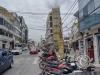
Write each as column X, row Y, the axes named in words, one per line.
column 81, row 47
column 90, row 48
column 3, row 46
column 98, row 37
column 12, row 45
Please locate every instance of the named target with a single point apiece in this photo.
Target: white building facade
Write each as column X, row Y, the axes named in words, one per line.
column 10, row 29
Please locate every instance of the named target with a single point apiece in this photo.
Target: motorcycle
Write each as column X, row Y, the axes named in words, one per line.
column 51, row 66
column 56, row 68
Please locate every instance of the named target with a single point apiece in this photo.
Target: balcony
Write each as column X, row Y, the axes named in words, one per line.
column 2, row 37
column 6, row 29
column 90, row 21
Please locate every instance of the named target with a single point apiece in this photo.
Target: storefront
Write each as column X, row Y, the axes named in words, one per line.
column 81, row 47
column 90, row 47
column 75, row 45
column 4, row 44
column 98, row 47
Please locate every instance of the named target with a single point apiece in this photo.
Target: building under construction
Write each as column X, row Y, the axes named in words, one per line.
column 54, row 32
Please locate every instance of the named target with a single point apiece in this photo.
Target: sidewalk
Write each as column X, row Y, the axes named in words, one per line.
column 97, row 67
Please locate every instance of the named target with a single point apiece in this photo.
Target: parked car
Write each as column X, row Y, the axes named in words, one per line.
column 33, row 52
column 16, row 51
column 24, row 49
column 38, row 49
column 6, row 60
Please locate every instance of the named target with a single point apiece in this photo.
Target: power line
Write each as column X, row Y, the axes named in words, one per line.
column 67, row 18
column 36, row 29
column 66, row 14
column 37, row 13
column 70, row 9
column 68, row 28
column 69, row 23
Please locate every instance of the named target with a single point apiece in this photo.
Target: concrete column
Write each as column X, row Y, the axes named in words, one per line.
column 7, row 44
column 79, row 46
column 84, row 41
column 96, row 49
column 0, row 44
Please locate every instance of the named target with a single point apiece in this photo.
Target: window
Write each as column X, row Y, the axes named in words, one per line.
column 91, row 6
column 56, row 18
column 83, row 8
column 51, row 35
column 50, row 18
column 1, row 21
column 4, row 41
column 10, row 35
column 1, row 32
column 6, row 33
column 51, row 31
column 50, row 24
column 85, row 11
column 6, row 24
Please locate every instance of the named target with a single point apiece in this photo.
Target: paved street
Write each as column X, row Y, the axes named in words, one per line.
column 24, row 64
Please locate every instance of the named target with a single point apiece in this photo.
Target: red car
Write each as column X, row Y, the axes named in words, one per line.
column 33, row 52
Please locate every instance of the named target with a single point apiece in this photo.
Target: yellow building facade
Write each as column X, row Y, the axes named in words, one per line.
column 56, row 33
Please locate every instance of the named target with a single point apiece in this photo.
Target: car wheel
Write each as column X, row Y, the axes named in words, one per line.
column 11, row 64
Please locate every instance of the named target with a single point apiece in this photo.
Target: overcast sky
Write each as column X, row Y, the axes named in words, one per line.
column 36, row 6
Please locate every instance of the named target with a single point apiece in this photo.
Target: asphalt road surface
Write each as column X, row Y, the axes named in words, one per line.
column 24, row 64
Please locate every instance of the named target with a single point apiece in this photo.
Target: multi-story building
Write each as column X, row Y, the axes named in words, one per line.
column 89, row 18
column 24, row 30
column 10, row 29
column 49, row 29
column 66, row 45
column 74, row 37
column 54, row 31
column 17, row 25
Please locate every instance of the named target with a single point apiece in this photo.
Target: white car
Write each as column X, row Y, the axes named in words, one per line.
column 24, row 49
column 16, row 51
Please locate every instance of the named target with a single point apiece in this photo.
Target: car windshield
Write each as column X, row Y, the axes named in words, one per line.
column 44, row 37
